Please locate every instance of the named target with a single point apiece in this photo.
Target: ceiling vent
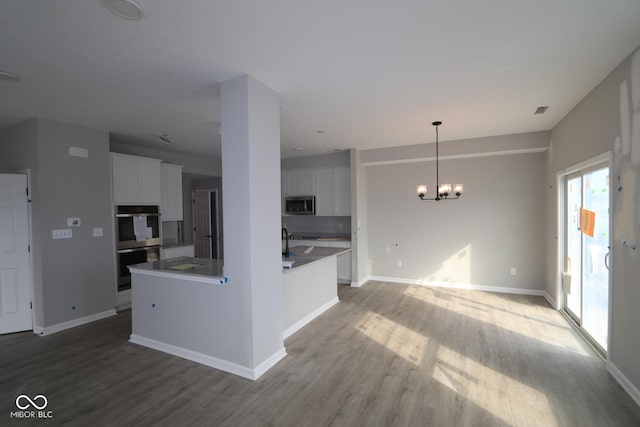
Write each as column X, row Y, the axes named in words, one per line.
column 541, row 110
column 164, row 138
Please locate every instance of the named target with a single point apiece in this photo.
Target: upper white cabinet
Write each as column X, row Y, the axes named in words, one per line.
column 331, row 186
column 300, row 182
column 333, row 192
column 325, row 196
column 171, row 206
column 135, row 180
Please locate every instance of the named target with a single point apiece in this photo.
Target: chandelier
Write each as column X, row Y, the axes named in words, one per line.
column 444, row 190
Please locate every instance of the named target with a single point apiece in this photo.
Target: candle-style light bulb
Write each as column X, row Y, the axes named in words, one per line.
column 421, row 190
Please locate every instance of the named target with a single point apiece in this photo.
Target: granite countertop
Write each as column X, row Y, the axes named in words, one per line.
column 301, row 259
column 183, row 267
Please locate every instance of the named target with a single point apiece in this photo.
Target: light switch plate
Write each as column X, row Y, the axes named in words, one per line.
column 73, row 222
column 61, row 234
column 97, row 232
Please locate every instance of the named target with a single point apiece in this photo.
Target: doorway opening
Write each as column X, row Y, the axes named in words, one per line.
column 586, row 220
column 206, row 224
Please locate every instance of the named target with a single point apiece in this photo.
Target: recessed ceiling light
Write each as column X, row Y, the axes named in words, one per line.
column 5, row 75
column 127, row 9
column 164, row 138
column 541, row 110
column 297, row 149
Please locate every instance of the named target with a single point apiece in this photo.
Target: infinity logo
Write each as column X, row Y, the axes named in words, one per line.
column 30, row 402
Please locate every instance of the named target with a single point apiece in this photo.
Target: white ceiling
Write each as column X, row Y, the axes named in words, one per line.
column 370, row 73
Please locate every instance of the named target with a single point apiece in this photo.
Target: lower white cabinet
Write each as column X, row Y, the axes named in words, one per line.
column 344, row 261
column 344, row 268
column 176, row 252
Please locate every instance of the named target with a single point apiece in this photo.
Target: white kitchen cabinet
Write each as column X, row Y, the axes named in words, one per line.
column 176, row 252
column 333, row 192
column 135, row 180
column 325, row 195
column 301, row 182
column 344, row 261
column 342, row 191
column 171, row 206
column 344, row 268
column 124, row 178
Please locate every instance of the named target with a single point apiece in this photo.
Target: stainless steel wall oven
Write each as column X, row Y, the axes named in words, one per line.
column 137, row 239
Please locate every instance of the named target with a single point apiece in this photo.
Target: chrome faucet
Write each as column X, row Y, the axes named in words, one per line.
column 285, row 236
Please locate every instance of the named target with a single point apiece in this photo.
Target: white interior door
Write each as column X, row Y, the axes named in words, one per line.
column 206, row 224
column 15, row 276
column 201, row 224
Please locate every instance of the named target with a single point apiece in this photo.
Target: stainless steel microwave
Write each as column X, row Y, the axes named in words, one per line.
column 300, row 205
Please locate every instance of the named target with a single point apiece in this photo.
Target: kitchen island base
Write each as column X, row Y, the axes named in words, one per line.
column 310, row 289
column 185, row 312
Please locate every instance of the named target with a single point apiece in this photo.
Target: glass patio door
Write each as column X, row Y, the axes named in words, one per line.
column 587, row 251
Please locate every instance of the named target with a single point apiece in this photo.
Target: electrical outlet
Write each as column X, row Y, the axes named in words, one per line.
column 399, row 264
column 97, row 232
column 61, row 234
column 514, row 271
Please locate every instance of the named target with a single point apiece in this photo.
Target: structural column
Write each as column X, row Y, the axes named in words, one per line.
column 252, row 217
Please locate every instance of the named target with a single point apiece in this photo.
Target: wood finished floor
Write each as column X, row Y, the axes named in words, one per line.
column 386, row 355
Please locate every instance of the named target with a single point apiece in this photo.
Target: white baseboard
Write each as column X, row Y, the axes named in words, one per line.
column 624, row 382
column 308, row 318
column 122, row 307
column 360, row 282
column 211, row 361
column 551, row 301
column 470, row 286
column 269, row 363
column 48, row 330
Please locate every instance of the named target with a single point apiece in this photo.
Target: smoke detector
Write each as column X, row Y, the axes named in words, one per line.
column 127, row 9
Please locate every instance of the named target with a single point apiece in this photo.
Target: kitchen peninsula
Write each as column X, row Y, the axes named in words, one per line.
column 175, row 302
column 310, row 287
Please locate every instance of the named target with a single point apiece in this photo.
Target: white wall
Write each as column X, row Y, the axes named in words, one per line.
column 331, row 160
column 590, row 129
column 497, row 224
column 73, row 278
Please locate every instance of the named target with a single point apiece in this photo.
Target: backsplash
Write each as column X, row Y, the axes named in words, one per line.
column 317, row 224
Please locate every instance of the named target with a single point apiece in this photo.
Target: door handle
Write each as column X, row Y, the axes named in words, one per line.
column 606, row 260
column 208, row 235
